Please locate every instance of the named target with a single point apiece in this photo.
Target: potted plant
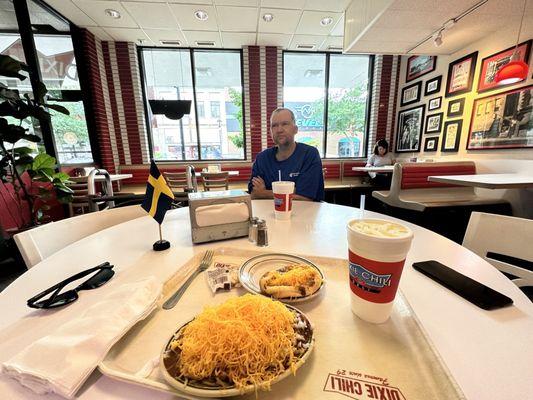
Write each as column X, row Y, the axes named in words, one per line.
column 29, row 181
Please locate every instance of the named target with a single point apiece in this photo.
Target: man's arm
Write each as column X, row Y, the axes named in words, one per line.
column 259, row 190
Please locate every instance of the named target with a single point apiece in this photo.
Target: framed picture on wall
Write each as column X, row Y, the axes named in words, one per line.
column 461, row 75
column 434, row 104
column 433, row 86
column 434, row 123
column 456, row 107
column 418, row 66
column 411, row 94
column 431, row 144
column 452, row 135
column 491, row 64
column 409, row 130
column 502, row 121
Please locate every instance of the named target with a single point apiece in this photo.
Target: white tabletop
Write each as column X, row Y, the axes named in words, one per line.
column 489, row 353
column 488, row 181
column 230, row 173
column 384, row 169
column 101, row 178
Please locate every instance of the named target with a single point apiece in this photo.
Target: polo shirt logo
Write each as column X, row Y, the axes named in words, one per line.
column 294, row 174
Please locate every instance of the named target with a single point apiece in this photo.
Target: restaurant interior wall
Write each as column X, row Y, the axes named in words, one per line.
column 487, row 161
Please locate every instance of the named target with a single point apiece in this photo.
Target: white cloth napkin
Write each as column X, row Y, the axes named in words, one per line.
column 219, row 214
column 61, row 361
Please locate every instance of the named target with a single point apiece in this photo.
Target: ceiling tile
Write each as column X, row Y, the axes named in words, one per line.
column 156, row 35
column 310, row 22
column 235, row 40
column 338, row 29
column 127, row 35
column 95, row 9
column 330, row 5
column 241, row 19
column 184, row 13
column 210, row 2
column 194, row 36
column 72, row 12
column 273, row 39
column 292, row 4
column 99, row 33
column 378, row 47
column 435, row 6
column 240, row 3
column 306, row 40
column 151, row 15
column 285, row 21
column 397, row 34
column 332, row 41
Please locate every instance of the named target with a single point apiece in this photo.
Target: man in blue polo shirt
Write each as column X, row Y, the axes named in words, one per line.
column 297, row 162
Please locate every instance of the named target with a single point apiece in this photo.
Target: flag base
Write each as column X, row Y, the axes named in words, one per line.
column 161, row 245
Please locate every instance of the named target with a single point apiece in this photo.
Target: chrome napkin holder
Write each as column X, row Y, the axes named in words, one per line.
column 203, row 234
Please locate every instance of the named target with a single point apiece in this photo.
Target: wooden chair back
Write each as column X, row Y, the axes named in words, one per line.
column 215, row 180
column 80, row 198
column 176, row 180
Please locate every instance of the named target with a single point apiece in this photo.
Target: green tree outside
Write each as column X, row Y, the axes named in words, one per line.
column 236, row 98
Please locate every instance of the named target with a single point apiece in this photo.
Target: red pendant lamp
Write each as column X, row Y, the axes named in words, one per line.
column 515, row 70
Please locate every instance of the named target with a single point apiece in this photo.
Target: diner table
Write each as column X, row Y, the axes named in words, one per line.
column 101, row 178
column 230, row 173
column 487, row 181
column 488, row 353
column 383, row 170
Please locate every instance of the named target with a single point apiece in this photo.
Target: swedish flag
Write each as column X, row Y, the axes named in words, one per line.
column 158, row 195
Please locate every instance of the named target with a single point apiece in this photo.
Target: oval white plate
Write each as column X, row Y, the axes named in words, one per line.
column 252, row 270
column 197, row 389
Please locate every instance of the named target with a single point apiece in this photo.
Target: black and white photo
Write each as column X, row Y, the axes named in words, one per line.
column 433, row 85
column 411, row 94
column 408, row 135
column 434, row 123
column 434, row 104
column 431, row 144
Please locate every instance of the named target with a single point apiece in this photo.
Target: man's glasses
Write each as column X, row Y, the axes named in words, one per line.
column 102, row 273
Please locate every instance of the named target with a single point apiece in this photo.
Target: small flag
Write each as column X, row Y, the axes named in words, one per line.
column 158, row 198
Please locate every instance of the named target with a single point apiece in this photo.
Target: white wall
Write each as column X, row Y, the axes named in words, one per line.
column 494, row 161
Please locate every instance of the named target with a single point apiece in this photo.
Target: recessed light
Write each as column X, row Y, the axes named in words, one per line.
column 112, row 13
column 201, row 15
column 326, row 21
column 268, row 17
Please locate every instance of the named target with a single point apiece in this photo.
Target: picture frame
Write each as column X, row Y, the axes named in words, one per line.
column 409, row 131
column 435, row 103
column 411, row 94
column 491, row 64
column 502, row 121
column 433, row 85
column 461, row 75
column 431, row 144
column 451, row 136
column 456, row 107
column 434, row 123
column 418, row 66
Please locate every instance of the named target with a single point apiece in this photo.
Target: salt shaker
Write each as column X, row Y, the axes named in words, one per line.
column 252, row 230
column 262, row 233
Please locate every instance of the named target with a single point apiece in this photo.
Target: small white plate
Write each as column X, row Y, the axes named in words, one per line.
column 256, row 267
column 201, row 390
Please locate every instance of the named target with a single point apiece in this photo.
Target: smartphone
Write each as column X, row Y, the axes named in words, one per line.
column 469, row 289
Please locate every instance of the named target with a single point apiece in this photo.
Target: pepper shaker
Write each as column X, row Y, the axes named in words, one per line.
column 252, row 230
column 262, row 233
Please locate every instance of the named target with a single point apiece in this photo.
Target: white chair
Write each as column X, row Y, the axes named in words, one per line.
column 500, row 234
column 39, row 243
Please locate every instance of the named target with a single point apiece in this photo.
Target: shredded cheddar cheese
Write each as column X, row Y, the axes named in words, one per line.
column 246, row 340
column 299, row 275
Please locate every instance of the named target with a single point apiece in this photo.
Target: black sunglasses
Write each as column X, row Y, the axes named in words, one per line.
column 104, row 273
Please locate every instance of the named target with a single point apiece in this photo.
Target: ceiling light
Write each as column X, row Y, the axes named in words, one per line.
column 201, row 15
column 516, row 70
column 112, row 13
column 268, row 17
column 437, row 39
column 326, row 21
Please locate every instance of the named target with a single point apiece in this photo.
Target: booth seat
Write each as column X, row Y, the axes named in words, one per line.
column 411, row 190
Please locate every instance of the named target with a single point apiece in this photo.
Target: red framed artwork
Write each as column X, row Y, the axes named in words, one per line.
column 490, row 65
column 419, row 65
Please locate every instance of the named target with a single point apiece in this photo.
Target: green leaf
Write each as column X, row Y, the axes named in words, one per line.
column 43, row 160
column 23, row 150
column 10, row 67
column 61, row 176
column 12, row 133
column 40, row 92
column 63, row 188
column 9, row 94
column 58, row 108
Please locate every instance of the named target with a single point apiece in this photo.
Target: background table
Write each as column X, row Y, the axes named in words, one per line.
column 384, row 169
column 230, row 173
column 488, row 353
column 101, row 178
column 487, row 181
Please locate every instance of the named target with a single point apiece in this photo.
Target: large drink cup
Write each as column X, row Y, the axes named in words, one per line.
column 283, row 192
column 376, row 250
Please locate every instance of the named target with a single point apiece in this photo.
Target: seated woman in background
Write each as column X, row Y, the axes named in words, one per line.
column 380, row 158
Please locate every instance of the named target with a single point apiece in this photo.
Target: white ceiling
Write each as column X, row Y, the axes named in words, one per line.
column 231, row 23
column 381, row 26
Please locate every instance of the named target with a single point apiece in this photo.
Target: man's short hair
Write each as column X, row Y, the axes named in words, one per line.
column 280, row 109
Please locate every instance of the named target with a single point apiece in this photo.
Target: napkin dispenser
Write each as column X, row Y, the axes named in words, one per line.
column 219, row 215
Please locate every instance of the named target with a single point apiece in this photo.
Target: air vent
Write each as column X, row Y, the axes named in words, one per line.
column 334, row 48
column 305, row 46
column 205, row 43
column 170, row 42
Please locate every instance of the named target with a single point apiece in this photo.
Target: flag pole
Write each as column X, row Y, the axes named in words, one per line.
column 161, row 244
column 160, row 234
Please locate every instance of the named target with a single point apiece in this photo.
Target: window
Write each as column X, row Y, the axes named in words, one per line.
column 346, row 77
column 216, row 133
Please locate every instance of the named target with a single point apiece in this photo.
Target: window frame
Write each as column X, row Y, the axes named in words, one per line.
column 371, row 59
column 191, row 51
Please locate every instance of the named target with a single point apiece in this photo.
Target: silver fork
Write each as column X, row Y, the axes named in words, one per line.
column 206, row 261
